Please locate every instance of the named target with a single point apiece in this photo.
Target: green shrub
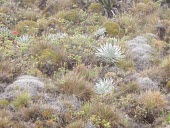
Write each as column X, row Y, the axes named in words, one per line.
column 48, row 55
column 27, row 26
column 126, row 65
column 71, row 16
column 42, row 24
column 108, row 5
column 168, row 85
column 112, row 29
column 28, row 14
column 49, row 60
column 22, row 100
column 101, row 114
column 96, row 8
column 4, row 103
column 166, row 64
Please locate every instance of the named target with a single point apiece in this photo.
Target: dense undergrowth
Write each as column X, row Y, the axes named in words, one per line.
column 84, row 64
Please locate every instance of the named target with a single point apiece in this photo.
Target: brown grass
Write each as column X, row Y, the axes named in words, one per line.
column 77, row 85
column 152, row 99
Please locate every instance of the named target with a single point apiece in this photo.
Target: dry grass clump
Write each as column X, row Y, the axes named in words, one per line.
column 130, row 23
column 142, row 17
column 28, row 15
column 75, row 84
column 89, row 73
column 76, row 124
column 128, row 88
column 27, row 26
column 64, row 5
column 10, row 69
column 152, row 100
column 5, row 122
column 145, row 9
column 30, row 113
column 6, row 72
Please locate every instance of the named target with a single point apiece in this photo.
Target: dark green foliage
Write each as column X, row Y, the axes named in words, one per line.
column 108, row 5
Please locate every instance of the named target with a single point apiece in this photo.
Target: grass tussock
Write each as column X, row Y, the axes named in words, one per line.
column 75, row 84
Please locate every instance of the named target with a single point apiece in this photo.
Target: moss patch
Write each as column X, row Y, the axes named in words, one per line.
column 112, row 28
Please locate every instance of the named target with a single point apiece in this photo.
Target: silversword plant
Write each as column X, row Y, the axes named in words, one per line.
column 54, row 37
column 104, row 86
column 100, row 32
column 109, row 53
column 5, row 31
column 26, row 39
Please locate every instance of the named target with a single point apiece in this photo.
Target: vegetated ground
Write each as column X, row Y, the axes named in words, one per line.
column 75, row 64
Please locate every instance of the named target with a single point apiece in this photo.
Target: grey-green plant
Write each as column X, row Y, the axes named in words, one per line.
column 100, row 32
column 5, row 31
column 24, row 39
column 168, row 118
column 104, row 86
column 55, row 37
column 109, row 53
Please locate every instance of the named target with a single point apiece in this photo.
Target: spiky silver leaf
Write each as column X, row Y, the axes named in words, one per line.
column 109, row 53
column 100, row 32
column 24, row 39
column 5, row 30
column 104, row 86
column 54, row 37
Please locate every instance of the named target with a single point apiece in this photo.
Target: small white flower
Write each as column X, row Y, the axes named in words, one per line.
column 104, row 86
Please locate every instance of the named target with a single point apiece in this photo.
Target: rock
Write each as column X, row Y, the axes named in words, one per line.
column 146, row 83
column 2, row 87
column 151, row 35
column 29, row 84
column 90, row 125
column 168, row 98
column 61, row 102
column 141, row 52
